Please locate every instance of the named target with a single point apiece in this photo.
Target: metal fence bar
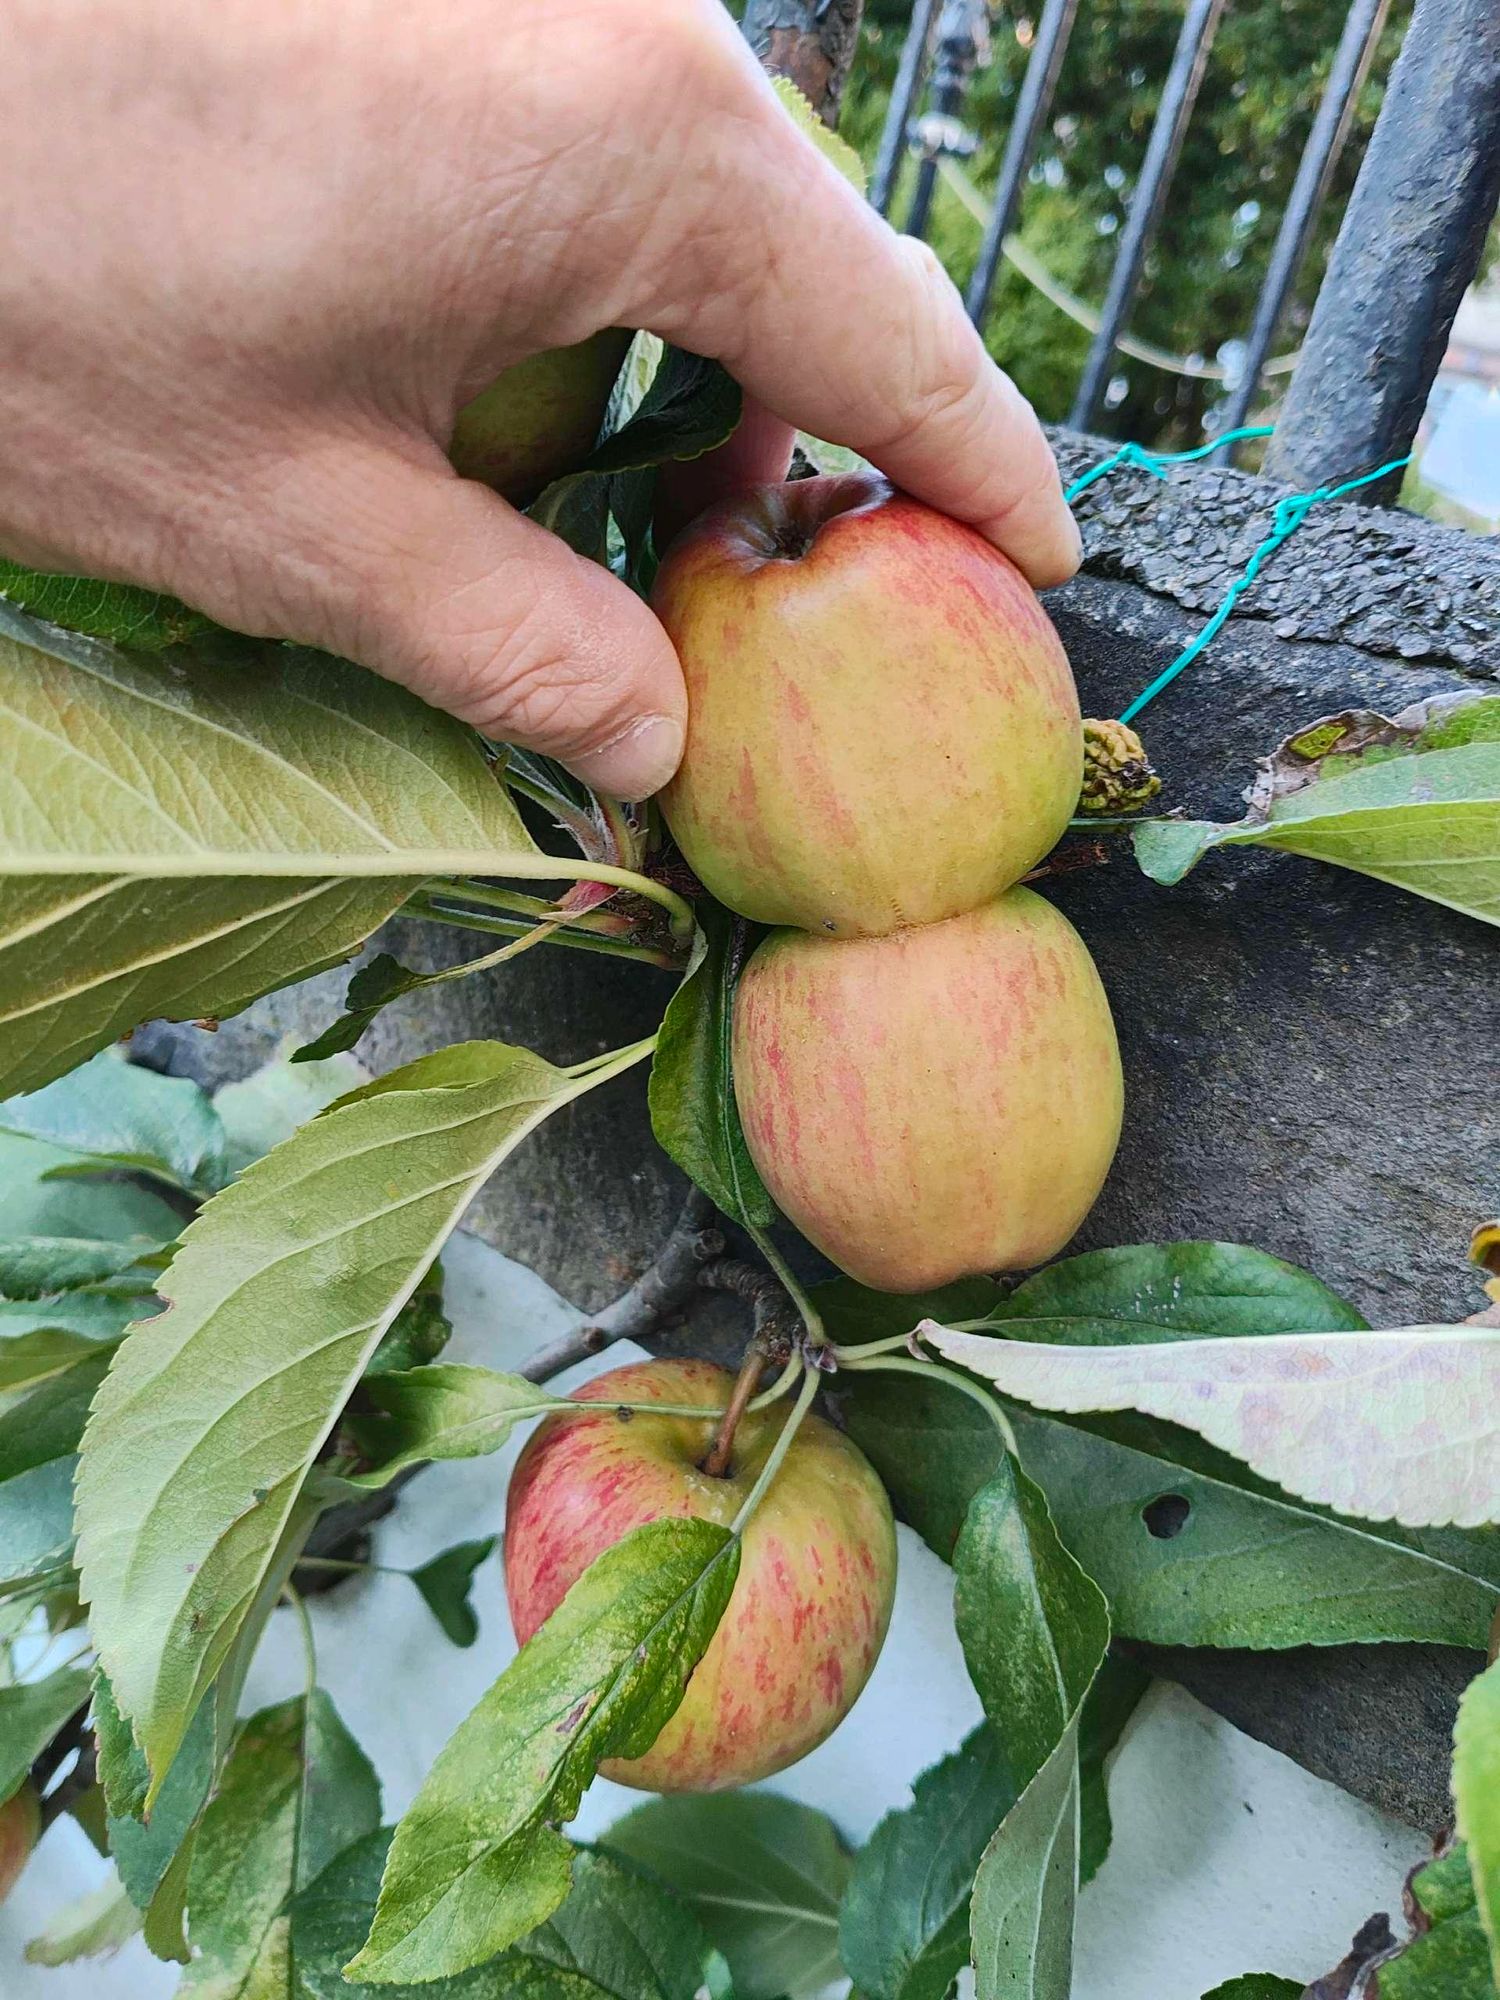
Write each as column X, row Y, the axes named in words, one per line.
column 1351, row 64
column 909, row 76
column 1408, row 248
column 960, row 26
column 1178, row 97
column 1032, row 105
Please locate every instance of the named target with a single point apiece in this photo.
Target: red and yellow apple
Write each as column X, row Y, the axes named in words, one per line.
column 20, row 1825
column 540, row 418
column 817, row 1570
column 935, row 1104
column 883, row 729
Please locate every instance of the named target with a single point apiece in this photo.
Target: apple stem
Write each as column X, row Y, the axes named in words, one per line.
column 779, row 1450
column 716, row 1463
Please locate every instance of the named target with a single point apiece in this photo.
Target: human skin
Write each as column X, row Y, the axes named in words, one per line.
column 260, row 254
column 883, row 728
column 936, row 1104
column 817, row 1571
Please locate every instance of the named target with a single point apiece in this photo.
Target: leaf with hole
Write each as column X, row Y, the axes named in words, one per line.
column 1413, row 800
column 477, row 1861
column 1250, row 1565
column 178, row 837
column 211, row 1416
column 1397, row 1425
column 764, row 1876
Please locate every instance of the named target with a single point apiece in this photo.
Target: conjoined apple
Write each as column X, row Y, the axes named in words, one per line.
column 817, row 1571
column 883, row 729
column 540, row 418
column 20, row 1824
column 935, row 1104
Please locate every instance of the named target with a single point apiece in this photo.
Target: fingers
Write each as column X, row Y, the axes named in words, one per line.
column 851, row 332
column 391, row 560
column 760, row 450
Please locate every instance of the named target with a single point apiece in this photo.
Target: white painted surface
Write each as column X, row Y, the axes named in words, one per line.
column 1227, row 1857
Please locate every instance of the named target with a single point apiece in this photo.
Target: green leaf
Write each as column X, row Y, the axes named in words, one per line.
column 451, row 1410
column 445, row 1584
column 1228, row 1561
column 146, row 620
column 181, row 837
column 834, row 149
column 211, row 1416
column 1375, row 1424
column 763, row 1875
column 617, row 1937
column 693, row 1112
column 1170, row 1291
column 1191, row 1550
column 1413, row 800
column 41, row 1196
column 1114, row 1697
column 154, row 1857
column 419, row 1332
column 477, row 1861
column 1034, row 1630
column 371, row 990
column 1240, row 1562
column 36, row 1525
column 1257, row 1986
column 1476, row 1793
column 93, row 1926
column 37, row 1266
column 41, row 1340
column 904, row 1932
column 691, row 406
column 296, row 1791
column 270, row 1104
column 113, row 1113
column 48, row 1423
column 31, row 1713
column 1449, row 1957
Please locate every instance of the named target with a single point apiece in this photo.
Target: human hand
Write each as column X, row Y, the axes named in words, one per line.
column 261, row 253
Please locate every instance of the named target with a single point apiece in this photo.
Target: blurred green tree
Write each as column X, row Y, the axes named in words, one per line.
column 1261, row 88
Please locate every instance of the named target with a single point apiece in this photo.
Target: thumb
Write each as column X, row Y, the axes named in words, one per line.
column 390, row 559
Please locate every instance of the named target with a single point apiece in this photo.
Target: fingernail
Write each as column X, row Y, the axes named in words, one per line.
column 637, row 763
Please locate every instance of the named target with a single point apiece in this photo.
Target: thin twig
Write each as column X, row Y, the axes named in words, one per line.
column 667, row 1281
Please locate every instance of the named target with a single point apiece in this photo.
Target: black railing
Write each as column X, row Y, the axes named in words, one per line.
column 1408, row 247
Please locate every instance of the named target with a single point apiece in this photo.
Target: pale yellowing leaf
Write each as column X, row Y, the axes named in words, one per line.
column 179, row 837
column 205, row 1429
column 1393, row 1426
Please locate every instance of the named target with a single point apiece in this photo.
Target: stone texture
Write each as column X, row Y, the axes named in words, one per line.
column 1309, row 1055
